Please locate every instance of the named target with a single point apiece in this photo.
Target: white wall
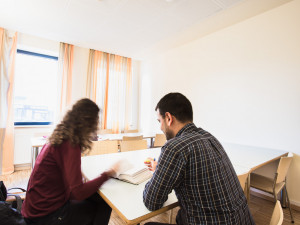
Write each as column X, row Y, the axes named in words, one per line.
column 23, row 135
column 134, row 121
column 39, row 45
column 243, row 82
column 80, row 67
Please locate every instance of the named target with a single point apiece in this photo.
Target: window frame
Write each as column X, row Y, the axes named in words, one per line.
column 20, row 51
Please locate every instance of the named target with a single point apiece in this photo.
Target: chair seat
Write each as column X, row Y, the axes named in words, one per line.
column 12, row 198
column 264, row 183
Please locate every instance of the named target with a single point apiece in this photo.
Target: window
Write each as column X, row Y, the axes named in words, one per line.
column 35, row 90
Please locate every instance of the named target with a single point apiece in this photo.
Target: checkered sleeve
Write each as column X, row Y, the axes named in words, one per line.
column 167, row 176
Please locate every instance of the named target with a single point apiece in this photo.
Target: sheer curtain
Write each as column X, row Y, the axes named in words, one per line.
column 109, row 84
column 8, row 49
column 65, row 76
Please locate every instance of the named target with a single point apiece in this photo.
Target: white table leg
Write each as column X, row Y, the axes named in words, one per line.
column 34, row 154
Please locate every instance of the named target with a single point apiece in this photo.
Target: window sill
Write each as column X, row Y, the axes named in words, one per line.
column 33, row 126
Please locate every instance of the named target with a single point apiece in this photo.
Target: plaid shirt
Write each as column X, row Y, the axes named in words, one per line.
column 196, row 166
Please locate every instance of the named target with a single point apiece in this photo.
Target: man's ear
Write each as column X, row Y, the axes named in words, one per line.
column 169, row 118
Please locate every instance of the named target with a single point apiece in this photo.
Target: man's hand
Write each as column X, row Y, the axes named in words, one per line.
column 151, row 163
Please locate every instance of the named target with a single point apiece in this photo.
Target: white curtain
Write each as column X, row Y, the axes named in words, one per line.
column 65, row 70
column 8, row 48
column 109, row 84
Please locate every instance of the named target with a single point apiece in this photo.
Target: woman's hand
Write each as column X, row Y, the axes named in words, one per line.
column 118, row 167
column 111, row 173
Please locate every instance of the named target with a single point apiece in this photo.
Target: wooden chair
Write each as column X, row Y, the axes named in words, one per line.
column 16, row 197
column 131, row 131
column 105, row 131
column 275, row 185
column 132, row 138
column 160, row 140
column 103, row 147
column 277, row 216
column 133, row 145
column 243, row 179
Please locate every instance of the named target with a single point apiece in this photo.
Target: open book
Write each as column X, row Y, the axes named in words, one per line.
column 135, row 174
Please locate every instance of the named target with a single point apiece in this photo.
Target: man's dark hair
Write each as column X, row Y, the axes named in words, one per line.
column 10, row 216
column 177, row 105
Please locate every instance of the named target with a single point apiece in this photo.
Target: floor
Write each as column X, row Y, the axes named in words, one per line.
column 261, row 209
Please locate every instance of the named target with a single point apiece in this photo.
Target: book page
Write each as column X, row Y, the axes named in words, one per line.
column 133, row 171
column 134, row 174
column 138, row 178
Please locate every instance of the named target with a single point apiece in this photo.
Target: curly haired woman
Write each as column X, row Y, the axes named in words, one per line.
column 56, row 193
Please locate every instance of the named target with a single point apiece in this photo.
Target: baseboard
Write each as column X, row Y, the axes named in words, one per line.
column 24, row 166
column 269, row 197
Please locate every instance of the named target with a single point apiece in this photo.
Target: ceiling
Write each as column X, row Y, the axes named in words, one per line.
column 131, row 28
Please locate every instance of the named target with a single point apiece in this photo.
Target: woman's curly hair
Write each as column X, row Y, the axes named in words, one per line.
column 78, row 125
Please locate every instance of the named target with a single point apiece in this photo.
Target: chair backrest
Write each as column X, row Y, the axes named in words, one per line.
column 131, row 131
column 132, row 138
column 133, row 145
column 283, row 168
column 105, row 131
column 242, row 178
column 277, row 216
column 103, row 147
column 160, row 140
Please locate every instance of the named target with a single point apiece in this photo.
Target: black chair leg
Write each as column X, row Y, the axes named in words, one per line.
column 292, row 218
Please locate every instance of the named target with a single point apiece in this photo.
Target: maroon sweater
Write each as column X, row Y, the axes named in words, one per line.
column 55, row 179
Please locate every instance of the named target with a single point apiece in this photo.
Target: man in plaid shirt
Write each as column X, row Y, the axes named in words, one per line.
column 195, row 165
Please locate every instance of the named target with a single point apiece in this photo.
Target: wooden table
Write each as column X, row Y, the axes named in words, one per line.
column 251, row 157
column 127, row 199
